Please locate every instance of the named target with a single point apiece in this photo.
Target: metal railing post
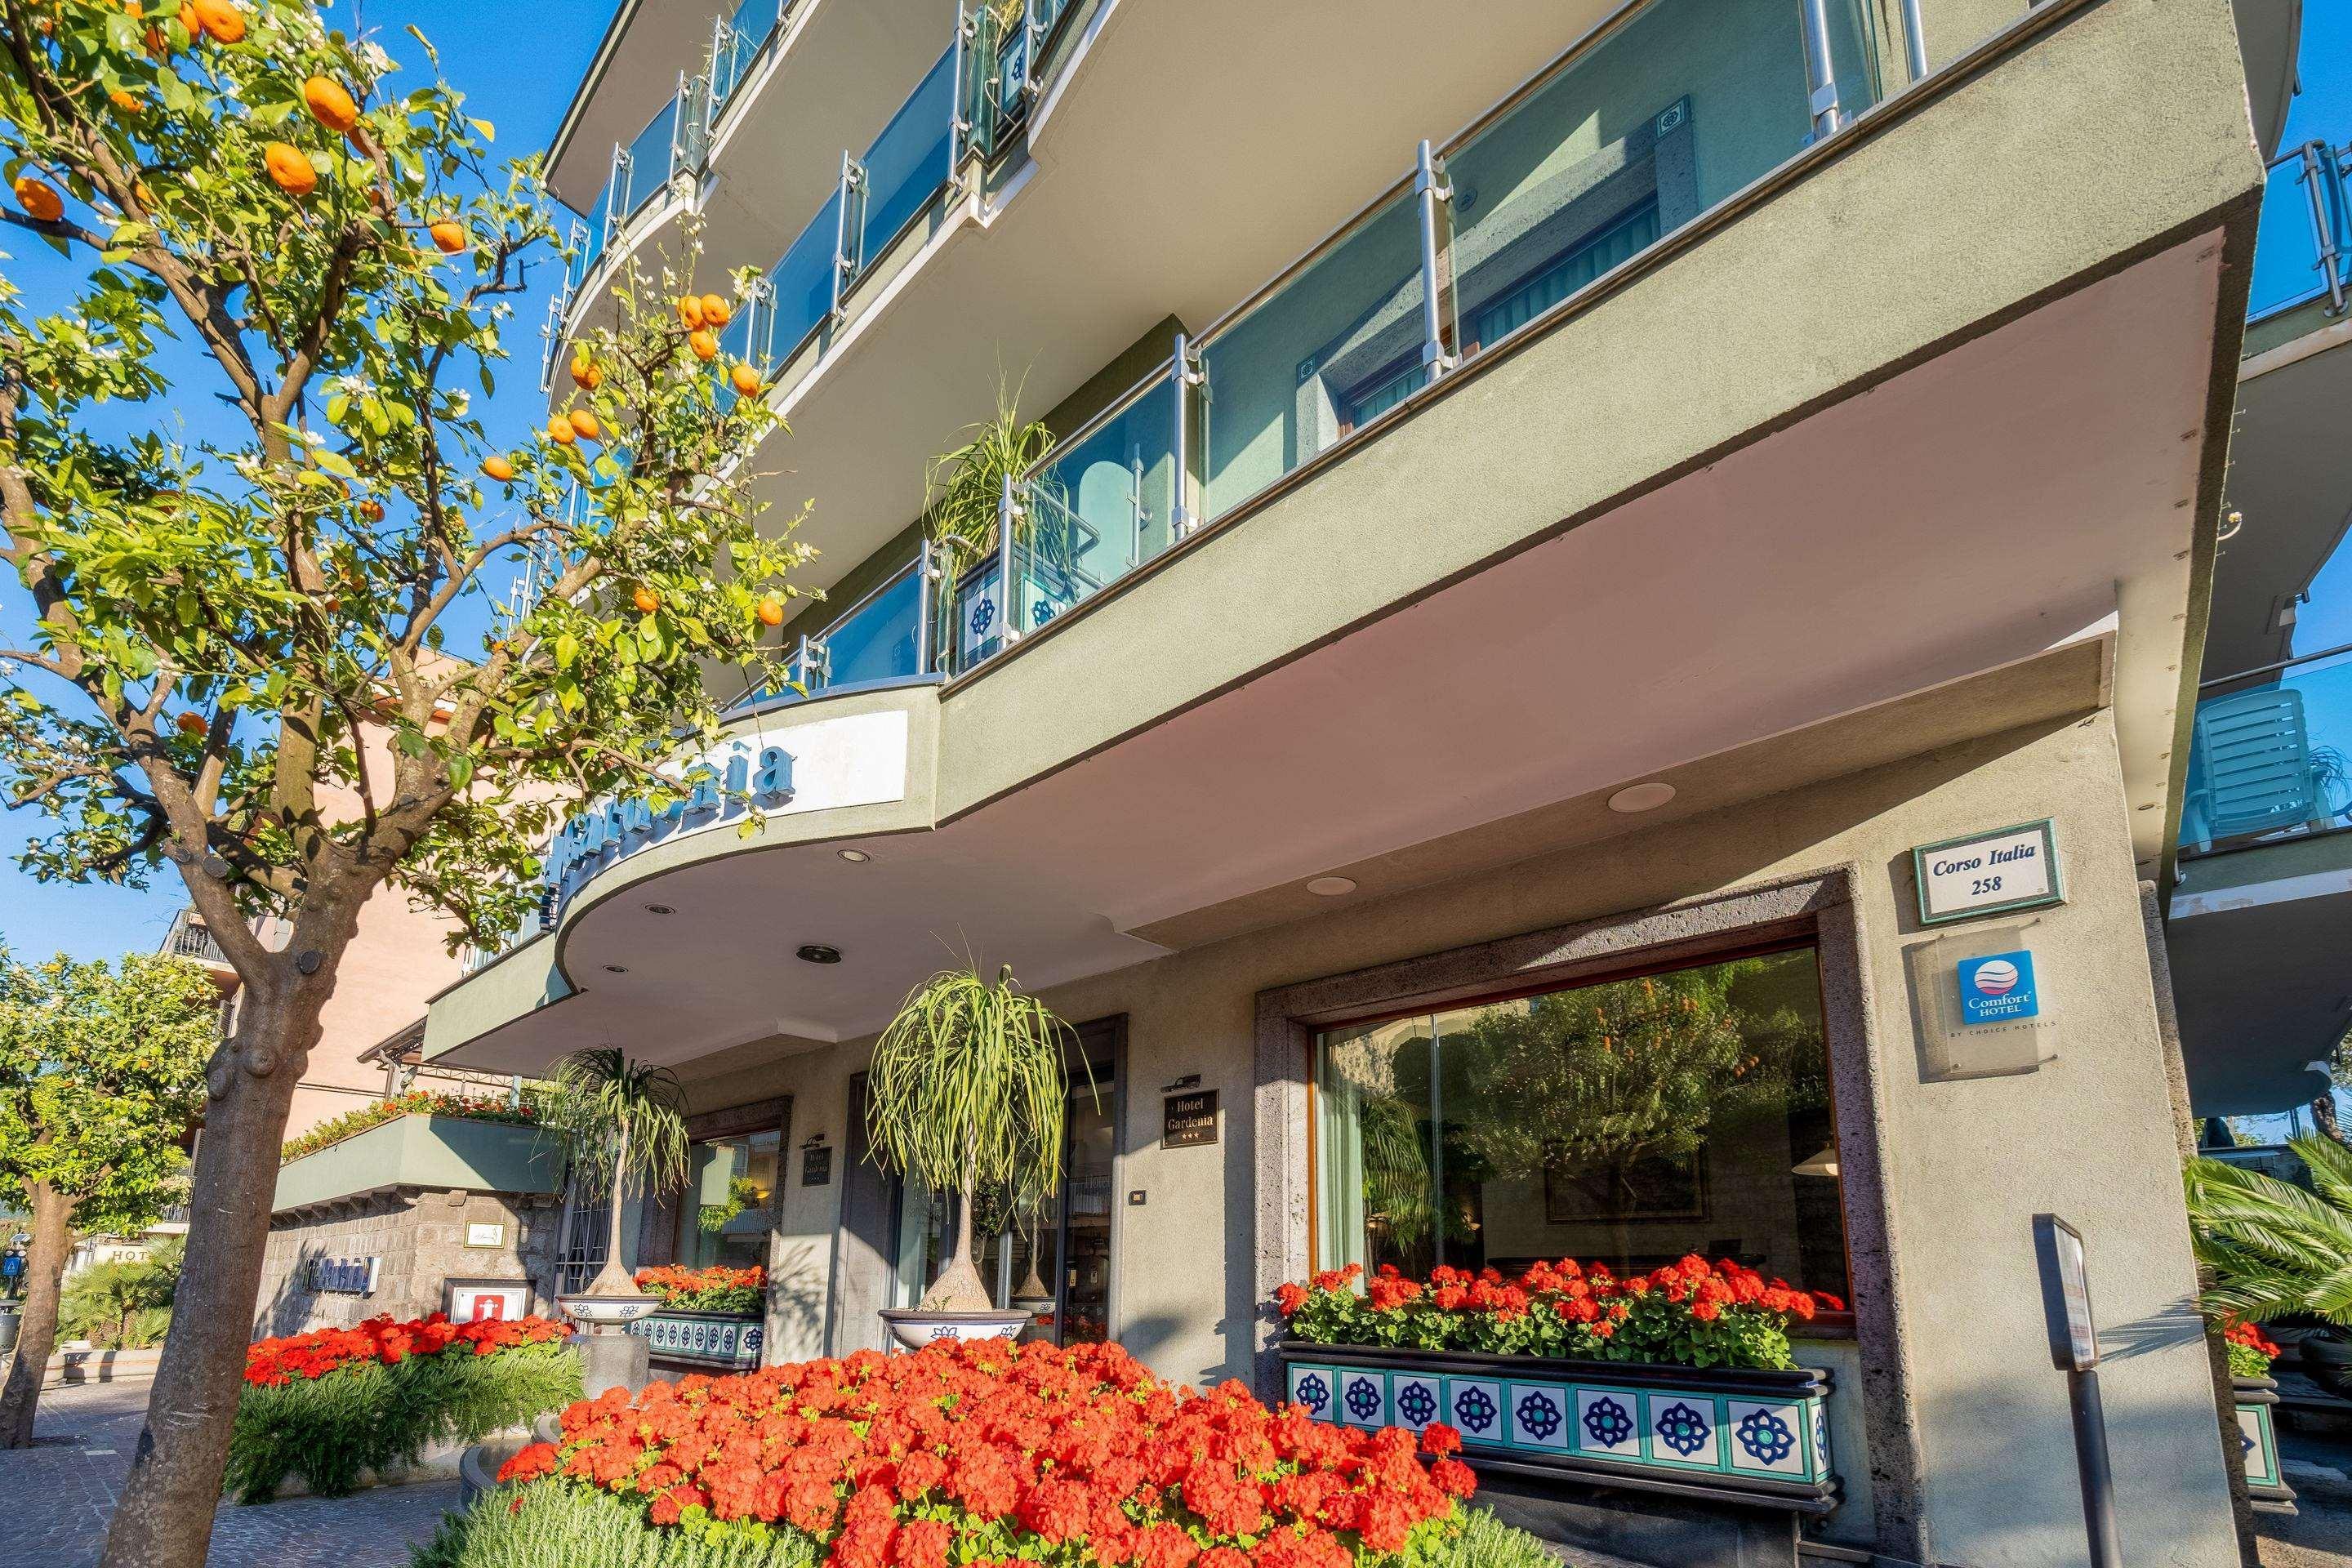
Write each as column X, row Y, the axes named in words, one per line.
column 960, row 124
column 1429, row 184
column 844, row 231
column 1006, row 511
column 616, row 188
column 723, row 47
column 1915, row 40
column 2319, row 165
column 1033, row 36
column 1820, row 74
column 1185, row 373
column 923, row 610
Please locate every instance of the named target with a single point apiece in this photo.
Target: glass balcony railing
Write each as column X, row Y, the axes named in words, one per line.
column 735, row 42
column 2302, row 247
column 1657, row 118
column 910, row 161
column 672, row 141
column 2270, row 754
column 805, row 283
column 877, row 638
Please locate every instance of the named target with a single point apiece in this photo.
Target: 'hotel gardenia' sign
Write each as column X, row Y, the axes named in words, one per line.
column 725, row 783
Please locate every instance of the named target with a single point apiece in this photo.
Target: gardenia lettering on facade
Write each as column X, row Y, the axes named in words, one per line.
column 1457, row 689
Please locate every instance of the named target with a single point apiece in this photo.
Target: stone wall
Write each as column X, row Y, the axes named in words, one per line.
column 419, row 1237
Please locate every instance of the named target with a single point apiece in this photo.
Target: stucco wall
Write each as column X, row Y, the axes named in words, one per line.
column 2088, row 1135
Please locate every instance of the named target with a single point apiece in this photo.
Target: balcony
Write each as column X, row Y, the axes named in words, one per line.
column 191, row 939
column 2269, row 757
column 2303, row 251
column 425, row 1151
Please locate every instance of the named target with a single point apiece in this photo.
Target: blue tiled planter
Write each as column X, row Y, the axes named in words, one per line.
column 2266, row 1483
column 1728, row 1434
column 724, row 1341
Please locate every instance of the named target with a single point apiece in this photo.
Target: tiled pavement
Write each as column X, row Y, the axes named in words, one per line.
column 56, row 1496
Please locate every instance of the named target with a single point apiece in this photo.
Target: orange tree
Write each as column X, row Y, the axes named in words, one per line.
column 213, row 624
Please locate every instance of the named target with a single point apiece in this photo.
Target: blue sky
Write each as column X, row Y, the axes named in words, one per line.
column 517, row 66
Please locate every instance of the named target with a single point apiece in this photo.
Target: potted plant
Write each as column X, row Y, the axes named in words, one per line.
column 711, row 1317
column 2278, row 1250
column 964, row 490
column 624, row 1129
column 966, row 1093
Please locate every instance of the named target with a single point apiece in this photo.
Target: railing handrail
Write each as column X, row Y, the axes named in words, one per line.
column 2289, row 662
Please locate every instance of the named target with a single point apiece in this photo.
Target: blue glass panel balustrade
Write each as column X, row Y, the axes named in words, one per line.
column 1103, row 504
column 648, row 168
column 801, row 285
column 2271, row 757
column 2303, row 201
column 746, row 33
column 592, row 239
column 907, row 164
column 875, row 640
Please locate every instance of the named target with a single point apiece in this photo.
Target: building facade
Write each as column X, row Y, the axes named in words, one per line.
column 1615, row 682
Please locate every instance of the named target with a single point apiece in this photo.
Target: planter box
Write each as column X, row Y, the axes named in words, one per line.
column 2255, row 1398
column 729, row 1342
column 1723, row 1435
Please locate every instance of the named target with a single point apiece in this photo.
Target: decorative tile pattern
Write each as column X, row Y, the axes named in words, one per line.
column 1608, row 1423
column 729, row 1342
column 1683, row 1429
column 1767, row 1439
column 1782, row 1438
column 1477, row 1408
column 1417, row 1398
column 1363, row 1397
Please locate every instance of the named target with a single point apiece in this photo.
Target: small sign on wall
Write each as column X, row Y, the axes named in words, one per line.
column 344, row 1275
column 1189, row 1119
column 478, row 1301
column 1988, row 873
column 1985, row 1009
column 486, row 1234
column 816, row 1165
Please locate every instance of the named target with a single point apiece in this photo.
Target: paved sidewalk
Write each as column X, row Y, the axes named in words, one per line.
column 56, row 1498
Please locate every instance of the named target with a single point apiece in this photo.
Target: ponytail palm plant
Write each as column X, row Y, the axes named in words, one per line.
column 623, row 1123
column 966, row 1094
column 2276, row 1250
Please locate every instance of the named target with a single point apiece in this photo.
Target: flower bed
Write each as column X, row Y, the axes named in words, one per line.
column 983, row 1453
column 1681, row 1380
column 718, row 1290
column 1691, row 1314
column 2251, row 1353
column 416, row 1102
column 330, row 1405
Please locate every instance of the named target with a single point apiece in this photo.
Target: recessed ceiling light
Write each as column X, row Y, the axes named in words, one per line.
column 854, row 856
column 1641, row 796
column 660, row 910
column 817, row 953
column 1331, row 886
column 617, row 969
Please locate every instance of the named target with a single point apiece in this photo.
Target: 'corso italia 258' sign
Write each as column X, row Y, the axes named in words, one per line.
column 725, row 785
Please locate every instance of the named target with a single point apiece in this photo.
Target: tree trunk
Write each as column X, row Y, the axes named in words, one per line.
column 37, row 1335
column 960, row 1288
column 166, row 1517
column 2322, row 1116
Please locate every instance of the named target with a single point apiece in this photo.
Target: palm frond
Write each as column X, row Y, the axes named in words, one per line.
column 2274, row 1249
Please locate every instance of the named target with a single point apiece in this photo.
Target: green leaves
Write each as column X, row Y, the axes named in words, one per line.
column 2275, row 1249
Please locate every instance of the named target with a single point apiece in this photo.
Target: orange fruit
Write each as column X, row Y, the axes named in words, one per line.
column 158, row 46
column 290, row 169
column 449, row 234
column 189, row 23
column 772, row 611
column 498, row 468
column 329, row 104
column 716, row 311
column 39, row 198
column 123, row 102
column 221, row 21
column 560, row 431
column 703, row 344
column 372, row 510
column 191, row 724
column 744, row 379
column 647, row 601
column 586, row 372
column 689, row 310
column 582, row 423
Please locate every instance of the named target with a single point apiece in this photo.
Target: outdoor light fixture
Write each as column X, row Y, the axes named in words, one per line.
column 854, row 856
column 817, row 953
column 660, row 910
column 1331, row 886
column 1641, row 796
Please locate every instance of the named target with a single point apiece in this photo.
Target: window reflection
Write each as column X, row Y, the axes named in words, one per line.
column 730, row 1189
column 1628, row 1122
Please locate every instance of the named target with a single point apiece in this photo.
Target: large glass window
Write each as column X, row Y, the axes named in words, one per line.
column 1629, row 1122
column 730, row 1188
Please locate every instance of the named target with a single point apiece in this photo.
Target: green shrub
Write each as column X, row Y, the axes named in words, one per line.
column 572, row 1527
column 1487, row 1542
column 368, row 1416
column 124, row 1305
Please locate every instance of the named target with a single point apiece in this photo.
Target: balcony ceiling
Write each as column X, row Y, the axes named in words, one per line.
column 1154, row 191
column 1992, row 539
column 2270, row 32
column 2291, row 478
